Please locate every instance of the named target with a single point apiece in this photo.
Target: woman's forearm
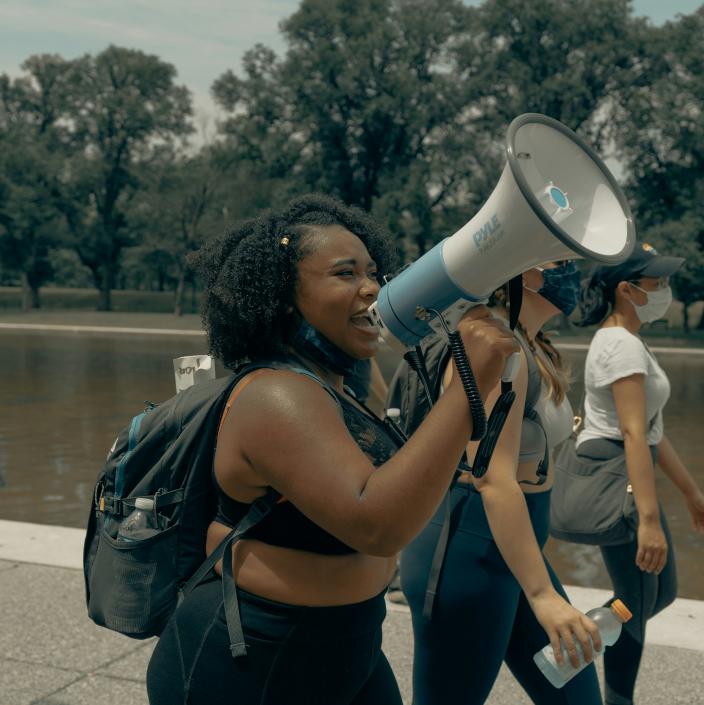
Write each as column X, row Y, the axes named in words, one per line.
column 511, row 527
column 401, row 496
column 639, row 465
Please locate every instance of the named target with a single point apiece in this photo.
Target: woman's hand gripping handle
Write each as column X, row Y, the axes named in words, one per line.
column 488, row 344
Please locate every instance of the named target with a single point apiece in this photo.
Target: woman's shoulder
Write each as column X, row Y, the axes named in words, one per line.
column 615, row 340
column 615, row 353
column 284, row 389
column 617, row 333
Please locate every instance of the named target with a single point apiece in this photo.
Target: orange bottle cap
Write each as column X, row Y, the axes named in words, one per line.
column 621, row 611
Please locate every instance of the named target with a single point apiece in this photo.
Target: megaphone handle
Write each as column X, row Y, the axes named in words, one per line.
column 497, row 420
column 464, row 369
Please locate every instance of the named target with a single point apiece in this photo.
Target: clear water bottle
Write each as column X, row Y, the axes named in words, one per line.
column 139, row 524
column 609, row 620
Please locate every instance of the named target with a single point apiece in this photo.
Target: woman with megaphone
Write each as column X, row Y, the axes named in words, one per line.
column 479, row 588
column 289, row 293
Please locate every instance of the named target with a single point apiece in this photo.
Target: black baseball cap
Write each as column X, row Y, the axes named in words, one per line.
column 645, row 261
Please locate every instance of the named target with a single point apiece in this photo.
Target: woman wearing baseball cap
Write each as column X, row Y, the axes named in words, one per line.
column 625, row 392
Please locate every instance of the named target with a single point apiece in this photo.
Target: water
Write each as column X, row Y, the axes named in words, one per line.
column 64, row 397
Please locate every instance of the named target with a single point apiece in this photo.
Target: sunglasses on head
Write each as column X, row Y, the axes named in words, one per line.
column 660, row 282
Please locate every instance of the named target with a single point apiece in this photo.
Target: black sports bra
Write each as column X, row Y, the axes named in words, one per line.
column 285, row 525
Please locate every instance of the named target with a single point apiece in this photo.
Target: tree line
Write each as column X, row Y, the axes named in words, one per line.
column 398, row 106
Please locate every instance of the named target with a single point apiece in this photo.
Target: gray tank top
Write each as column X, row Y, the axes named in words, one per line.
column 533, row 440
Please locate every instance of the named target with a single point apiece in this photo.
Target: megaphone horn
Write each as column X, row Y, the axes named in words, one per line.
column 556, row 199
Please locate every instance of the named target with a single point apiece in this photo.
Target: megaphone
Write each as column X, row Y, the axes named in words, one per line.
column 555, row 200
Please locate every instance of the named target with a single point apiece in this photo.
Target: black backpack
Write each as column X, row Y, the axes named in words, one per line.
column 406, row 391
column 165, row 453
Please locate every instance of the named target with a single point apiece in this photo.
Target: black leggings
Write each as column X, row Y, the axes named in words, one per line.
column 295, row 655
column 645, row 594
column 481, row 616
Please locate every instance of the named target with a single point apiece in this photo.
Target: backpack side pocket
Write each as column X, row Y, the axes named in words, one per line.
column 133, row 585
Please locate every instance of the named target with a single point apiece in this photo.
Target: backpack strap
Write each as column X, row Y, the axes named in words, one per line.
column 258, row 510
column 529, row 412
column 431, row 586
column 122, row 507
column 541, row 471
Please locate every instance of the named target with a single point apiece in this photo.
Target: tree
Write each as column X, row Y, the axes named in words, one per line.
column 401, row 106
column 555, row 57
column 30, row 165
column 175, row 211
column 661, row 143
column 362, row 106
column 123, row 107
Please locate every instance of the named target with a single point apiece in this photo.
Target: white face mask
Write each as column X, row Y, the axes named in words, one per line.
column 656, row 306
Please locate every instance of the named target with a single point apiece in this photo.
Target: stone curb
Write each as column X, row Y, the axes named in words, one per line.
column 681, row 625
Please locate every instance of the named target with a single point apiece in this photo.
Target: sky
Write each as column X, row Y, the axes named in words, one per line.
column 202, row 38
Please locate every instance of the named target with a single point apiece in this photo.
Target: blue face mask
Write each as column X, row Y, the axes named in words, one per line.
column 561, row 287
column 318, row 348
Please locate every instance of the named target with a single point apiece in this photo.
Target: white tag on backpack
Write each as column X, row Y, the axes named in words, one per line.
column 192, row 369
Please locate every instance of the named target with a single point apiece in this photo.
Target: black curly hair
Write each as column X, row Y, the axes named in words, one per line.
column 250, row 274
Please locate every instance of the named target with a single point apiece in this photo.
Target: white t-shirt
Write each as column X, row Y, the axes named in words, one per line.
column 615, row 353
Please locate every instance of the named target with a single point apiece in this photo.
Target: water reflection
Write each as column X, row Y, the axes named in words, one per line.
column 62, row 401
column 64, row 397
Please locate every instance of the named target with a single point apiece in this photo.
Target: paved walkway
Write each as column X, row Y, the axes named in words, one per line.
column 51, row 654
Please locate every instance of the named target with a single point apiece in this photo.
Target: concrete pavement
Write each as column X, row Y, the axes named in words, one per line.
column 52, row 654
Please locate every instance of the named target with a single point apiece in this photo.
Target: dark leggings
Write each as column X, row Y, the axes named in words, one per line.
column 645, row 594
column 295, row 655
column 481, row 616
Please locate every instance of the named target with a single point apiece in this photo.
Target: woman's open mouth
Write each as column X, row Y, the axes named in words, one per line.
column 363, row 322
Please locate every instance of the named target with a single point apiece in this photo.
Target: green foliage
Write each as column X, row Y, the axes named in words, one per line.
column 661, row 141
column 176, row 208
column 29, row 164
column 399, row 106
column 87, row 299
column 362, row 105
column 123, row 108
column 555, row 57
column 67, row 269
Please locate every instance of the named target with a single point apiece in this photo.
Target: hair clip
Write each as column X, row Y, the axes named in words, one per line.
column 284, row 241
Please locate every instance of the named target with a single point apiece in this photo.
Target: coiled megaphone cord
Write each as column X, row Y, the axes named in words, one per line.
column 469, row 383
column 503, row 404
column 464, row 370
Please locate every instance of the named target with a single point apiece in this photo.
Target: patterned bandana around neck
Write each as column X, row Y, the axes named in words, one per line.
column 318, row 348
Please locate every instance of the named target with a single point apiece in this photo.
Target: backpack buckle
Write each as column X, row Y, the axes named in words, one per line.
column 111, row 505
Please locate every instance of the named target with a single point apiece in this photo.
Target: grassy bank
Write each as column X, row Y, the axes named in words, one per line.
column 153, row 309
column 125, row 301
